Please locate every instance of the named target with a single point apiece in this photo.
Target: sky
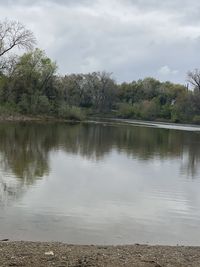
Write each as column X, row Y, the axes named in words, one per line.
column 132, row 39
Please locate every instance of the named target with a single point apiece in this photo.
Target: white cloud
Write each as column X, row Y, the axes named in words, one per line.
column 130, row 38
column 166, row 71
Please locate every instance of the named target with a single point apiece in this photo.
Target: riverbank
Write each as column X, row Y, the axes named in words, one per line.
column 110, row 120
column 22, row 118
column 26, row 118
column 37, row 254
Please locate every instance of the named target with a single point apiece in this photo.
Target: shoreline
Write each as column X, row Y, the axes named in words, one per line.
column 20, row 117
column 42, row 254
column 106, row 120
column 24, row 118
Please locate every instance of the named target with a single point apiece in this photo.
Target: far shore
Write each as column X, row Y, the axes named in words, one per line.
column 19, row 117
column 106, row 119
column 41, row 254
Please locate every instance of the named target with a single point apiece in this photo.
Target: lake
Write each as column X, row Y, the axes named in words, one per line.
column 99, row 183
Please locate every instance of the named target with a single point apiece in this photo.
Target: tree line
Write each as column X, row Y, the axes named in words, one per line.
column 30, row 85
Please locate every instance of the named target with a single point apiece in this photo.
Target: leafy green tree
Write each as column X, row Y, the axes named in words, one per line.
column 32, row 75
column 183, row 109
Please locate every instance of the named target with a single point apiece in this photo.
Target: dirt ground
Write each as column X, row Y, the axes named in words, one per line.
column 38, row 254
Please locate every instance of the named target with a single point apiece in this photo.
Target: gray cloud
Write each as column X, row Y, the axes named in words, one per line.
column 131, row 38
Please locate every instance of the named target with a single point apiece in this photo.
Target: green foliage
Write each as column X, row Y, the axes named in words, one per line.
column 183, row 109
column 126, row 111
column 94, row 90
column 32, row 72
column 71, row 113
column 149, row 110
column 23, row 104
column 196, row 119
column 43, row 105
column 150, row 99
column 8, row 109
column 165, row 112
column 30, row 86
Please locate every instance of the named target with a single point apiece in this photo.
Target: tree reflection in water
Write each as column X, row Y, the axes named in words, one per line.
column 25, row 148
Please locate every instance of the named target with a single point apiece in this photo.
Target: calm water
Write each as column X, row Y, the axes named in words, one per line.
column 99, row 183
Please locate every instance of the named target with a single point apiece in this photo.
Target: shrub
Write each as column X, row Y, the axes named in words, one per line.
column 149, row 110
column 8, row 109
column 125, row 111
column 165, row 112
column 43, row 105
column 24, row 104
column 196, row 119
column 71, row 113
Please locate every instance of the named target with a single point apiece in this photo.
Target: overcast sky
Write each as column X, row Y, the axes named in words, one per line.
column 130, row 38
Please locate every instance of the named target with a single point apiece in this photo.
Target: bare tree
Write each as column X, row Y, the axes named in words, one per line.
column 14, row 34
column 194, row 78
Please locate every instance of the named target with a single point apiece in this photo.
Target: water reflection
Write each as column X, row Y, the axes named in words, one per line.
column 25, row 147
column 76, row 170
